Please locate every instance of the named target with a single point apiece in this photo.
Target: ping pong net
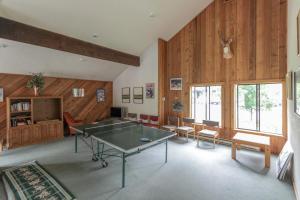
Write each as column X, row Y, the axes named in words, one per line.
column 100, row 128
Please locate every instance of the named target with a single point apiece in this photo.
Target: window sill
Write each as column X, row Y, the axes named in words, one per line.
column 260, row 133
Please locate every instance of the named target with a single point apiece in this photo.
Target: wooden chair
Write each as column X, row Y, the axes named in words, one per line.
column 208, row 132
column 71, row 122
column 173, row 123
column 188, row 127
column 132, row 117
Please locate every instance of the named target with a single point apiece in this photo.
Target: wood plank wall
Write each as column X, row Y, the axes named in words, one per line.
column 258, row 29
column 85, row 108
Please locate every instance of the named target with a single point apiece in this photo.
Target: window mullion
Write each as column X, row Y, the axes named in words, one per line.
column 237, row 104
column 208, row 105
column 195, row 89
column 258, row 107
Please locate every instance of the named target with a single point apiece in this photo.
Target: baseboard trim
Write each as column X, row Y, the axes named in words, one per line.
column 295, row 189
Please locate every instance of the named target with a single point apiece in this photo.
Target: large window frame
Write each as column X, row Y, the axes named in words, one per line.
column 258, row 130
column 221, row 123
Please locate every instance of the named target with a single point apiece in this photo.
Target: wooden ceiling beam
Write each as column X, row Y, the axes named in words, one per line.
column 20, row 32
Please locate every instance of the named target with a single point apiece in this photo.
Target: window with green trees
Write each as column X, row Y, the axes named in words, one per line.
column 259, row 107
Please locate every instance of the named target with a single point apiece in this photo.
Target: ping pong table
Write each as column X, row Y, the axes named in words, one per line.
column 123, row 139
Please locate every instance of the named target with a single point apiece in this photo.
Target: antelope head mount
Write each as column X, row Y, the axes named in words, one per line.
column 227, row 53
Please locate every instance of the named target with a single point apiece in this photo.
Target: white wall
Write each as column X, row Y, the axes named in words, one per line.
column 138, row 77
column 294, row 64
column 21, row 58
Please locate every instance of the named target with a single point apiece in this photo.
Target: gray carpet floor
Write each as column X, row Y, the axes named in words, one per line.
column 191, row 173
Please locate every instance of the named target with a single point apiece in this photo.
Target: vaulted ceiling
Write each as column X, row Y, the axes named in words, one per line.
column 125, row 25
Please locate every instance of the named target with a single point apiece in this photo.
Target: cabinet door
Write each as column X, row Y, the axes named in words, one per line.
column 26, row 135
column 15, row 138
column 59, row 130
column 52, row 127
column 36, row 134
column 55, row 131
column 44, row 132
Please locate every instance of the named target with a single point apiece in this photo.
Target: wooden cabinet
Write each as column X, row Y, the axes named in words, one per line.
column 52, row 130
column 36, row 134
column 26, row 135
column 33, row 120
column 15, row 137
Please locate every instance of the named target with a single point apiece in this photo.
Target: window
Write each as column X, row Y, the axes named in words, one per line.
column 259, row 107
column 206, row 103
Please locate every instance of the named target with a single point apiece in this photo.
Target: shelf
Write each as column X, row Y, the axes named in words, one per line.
column 21, row 117
column 17, row 112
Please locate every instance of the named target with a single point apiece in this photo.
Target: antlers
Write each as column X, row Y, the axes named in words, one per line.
column 226, row 46
column 224, row 42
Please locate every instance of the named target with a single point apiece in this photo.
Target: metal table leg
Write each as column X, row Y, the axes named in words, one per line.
column 98, row 149
column 123, row 170
column 76, row 142
column 166, row 156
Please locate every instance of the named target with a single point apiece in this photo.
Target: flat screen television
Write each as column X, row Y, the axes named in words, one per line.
column 116, row 112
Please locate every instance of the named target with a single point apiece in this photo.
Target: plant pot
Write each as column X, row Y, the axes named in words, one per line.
column 36, row 91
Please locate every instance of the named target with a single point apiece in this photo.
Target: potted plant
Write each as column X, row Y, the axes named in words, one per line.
column 36, row 83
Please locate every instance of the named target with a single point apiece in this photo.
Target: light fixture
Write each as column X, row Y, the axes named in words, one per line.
column 152, row 15
column 95, row 35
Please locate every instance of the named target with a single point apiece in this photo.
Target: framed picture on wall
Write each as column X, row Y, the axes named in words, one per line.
column 176, row 84
column 100, row 95
column 138, row 96
column 126, row 95
column 1, row 95
column 150, row 90
column 78, row 92
column 298, row 33
column 297, row 92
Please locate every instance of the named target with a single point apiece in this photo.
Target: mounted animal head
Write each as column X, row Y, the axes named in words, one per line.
column 227, row 53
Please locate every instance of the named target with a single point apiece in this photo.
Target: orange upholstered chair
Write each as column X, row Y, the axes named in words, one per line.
column 71, row 122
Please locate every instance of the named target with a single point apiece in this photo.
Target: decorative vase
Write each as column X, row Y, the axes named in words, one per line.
column 35, row 91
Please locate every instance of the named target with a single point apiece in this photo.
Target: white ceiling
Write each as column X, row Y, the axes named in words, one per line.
column 123, row 25
column 21, row 58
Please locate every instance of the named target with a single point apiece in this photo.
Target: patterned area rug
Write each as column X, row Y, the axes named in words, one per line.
column 30, row 181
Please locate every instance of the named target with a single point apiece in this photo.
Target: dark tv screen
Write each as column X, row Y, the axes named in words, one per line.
column 116, row 112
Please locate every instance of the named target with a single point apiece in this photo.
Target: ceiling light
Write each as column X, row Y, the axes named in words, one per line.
column 95, row 35
column 152, row 14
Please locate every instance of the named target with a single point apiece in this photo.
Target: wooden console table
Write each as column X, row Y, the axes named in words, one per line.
column 252, row 140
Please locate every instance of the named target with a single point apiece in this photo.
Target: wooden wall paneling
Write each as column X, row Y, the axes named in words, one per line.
column 188, row 41
column 229, row 28
column 16, row 31
column 162, row 78
column 85, row 108
column 283, row 39
column 275, row 39
column 245, row 51
column 258, row 29
column 271, row 39
column 173, row 70
column 219, row 27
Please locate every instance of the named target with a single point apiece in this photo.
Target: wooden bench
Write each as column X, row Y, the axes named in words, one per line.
column 252, row 140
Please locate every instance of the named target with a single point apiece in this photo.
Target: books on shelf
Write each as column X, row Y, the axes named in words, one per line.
column 20, row 107
column 20, row 122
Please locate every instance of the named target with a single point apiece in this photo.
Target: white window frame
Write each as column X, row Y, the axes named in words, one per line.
column 222, row 100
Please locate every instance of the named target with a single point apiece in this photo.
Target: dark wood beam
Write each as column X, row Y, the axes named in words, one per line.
column 16, row 31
